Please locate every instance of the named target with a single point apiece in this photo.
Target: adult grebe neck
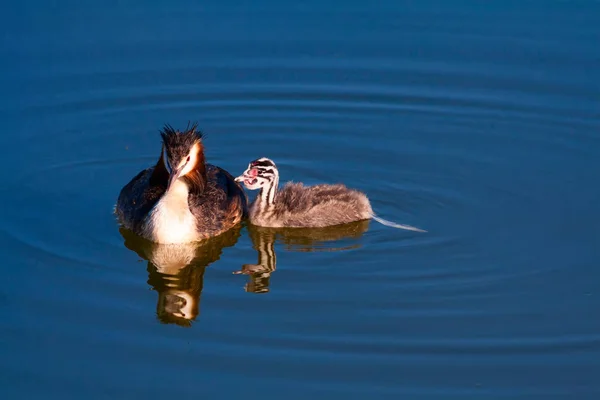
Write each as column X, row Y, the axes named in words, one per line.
column 179, row 172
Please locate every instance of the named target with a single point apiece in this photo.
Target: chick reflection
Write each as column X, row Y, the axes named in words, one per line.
column 294, row 239
column 176, row 272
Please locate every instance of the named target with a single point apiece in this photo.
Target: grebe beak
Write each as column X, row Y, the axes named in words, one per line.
column 173, row 177
column 242, row 177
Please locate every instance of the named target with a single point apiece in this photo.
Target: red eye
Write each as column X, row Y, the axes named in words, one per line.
column 188, row 159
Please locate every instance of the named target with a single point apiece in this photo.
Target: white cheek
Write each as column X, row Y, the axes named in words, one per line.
column 188, row 167
column 190, row 163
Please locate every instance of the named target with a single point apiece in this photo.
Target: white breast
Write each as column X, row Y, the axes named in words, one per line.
column 172, row 221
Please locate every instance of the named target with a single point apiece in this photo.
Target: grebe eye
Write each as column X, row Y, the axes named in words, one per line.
column 188, row 159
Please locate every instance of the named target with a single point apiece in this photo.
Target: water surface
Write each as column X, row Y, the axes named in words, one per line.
column 478, row 122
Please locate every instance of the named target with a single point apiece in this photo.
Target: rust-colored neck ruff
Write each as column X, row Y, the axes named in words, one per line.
column 196, row 178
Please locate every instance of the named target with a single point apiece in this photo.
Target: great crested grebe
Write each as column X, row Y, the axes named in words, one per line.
column 296, row 205
column 182, row 198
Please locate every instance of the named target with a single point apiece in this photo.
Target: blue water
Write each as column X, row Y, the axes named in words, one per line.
column 477, row 121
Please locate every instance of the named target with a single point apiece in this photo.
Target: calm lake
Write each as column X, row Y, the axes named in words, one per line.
column 476, row 121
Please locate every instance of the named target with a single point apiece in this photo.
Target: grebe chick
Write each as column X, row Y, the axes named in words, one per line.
column 182, row 198
column 296, row 205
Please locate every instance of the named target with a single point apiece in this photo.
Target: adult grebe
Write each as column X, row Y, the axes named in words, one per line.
column 182, row 198
column 296, row 205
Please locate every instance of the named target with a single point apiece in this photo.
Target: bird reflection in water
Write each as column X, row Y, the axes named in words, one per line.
column 176, row 272
column 332, row 238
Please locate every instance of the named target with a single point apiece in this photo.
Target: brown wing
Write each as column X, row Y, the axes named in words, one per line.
column 136, row 199
column 221, row 205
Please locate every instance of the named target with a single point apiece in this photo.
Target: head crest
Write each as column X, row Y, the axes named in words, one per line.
column 177, row 145
column 190, row 135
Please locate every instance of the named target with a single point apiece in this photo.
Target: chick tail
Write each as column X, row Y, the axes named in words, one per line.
column 395, row 225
